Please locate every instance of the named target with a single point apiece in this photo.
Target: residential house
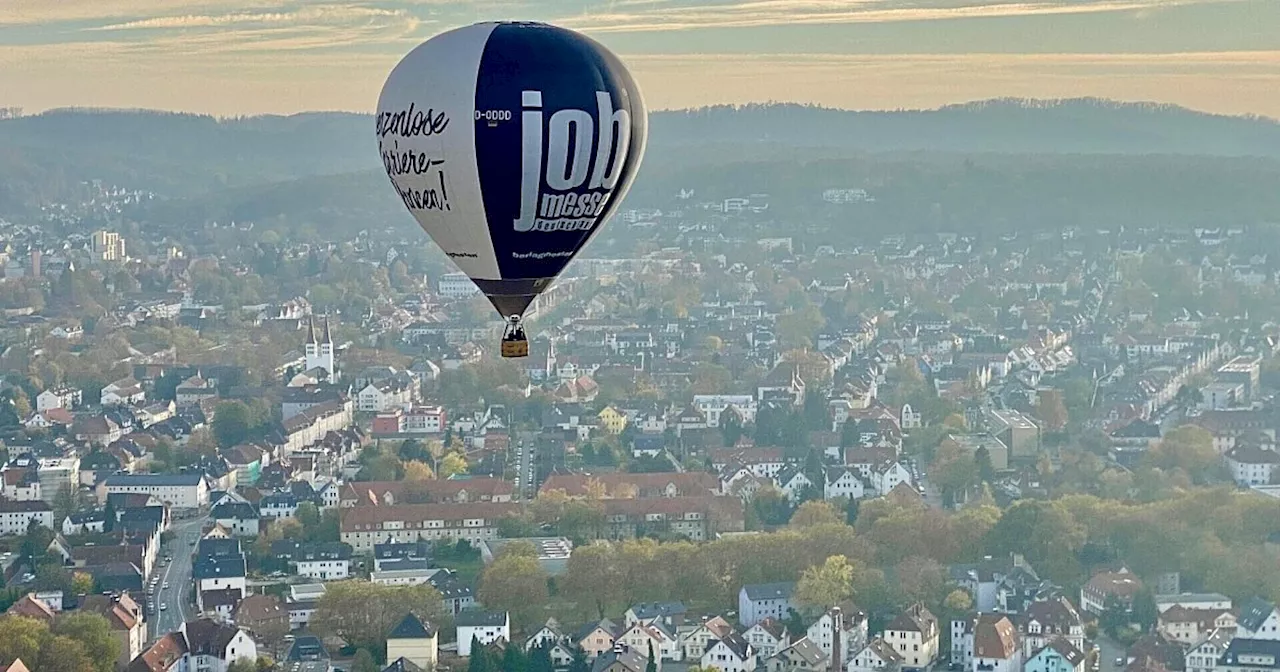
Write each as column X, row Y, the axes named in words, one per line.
column 15, row 517
column 696, row 639
column 730, row 653
column 413, row 640
column 877, row 656
column 204, row 645
column 261, row 613
column 327, row 561
column 670, row 614
column 1250, row 655
column 914, row 635
column 768, row 637
column 1204, row 655
column 996, row 647
column 1258, row 619
column 842, row 482
column 124, row 617
column 180, row 491
column 622, row 658
column 1122, row 585
column 596, row 638
column 641, row 637
column 765, row 600
column 1056, row 656
column 126, row 391
column 847, row 620
column 485, row 627
column 1047, row 620
column 59, row 397
column 802, row 656
column 1190, row 626
column 364, row 526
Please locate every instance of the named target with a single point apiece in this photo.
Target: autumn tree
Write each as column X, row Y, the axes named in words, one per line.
column 1052, row 411
column 362, row 613
column 592, row 574
column 517, row 584
column 816, row 512
column 453, row 464
column 418, row 471
column 824, row 586
column 93, row 633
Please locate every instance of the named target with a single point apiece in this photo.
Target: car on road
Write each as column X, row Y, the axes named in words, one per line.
column 163, row 606
column 1120, row 661
column 166, row 585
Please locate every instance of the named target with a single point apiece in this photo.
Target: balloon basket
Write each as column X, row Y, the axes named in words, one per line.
column 515, row 348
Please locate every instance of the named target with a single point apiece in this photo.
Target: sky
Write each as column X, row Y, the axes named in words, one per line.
column 237, row 57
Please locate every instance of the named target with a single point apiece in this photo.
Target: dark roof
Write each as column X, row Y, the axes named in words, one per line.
column 735, row 643
column 475, row 618
column 217, row 567
column 412, row 627
column 1256, row 649
column 402, row 665
column 207, row 637
column 770, row 591
column 621, row 655
column 307, row 647
column 1254, row 612
column 218, row 548
column 648, row 610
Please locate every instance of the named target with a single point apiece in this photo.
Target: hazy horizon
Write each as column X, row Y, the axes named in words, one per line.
column 234, row 57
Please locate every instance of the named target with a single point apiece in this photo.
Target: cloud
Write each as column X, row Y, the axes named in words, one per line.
column 653, row 15
column 307, row 16
column 28, row 12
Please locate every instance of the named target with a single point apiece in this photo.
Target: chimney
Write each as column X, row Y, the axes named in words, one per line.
column 837, row 630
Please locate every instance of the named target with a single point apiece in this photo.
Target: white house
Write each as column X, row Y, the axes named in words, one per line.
column 876, row 656
column 1252, row 465
column 793, row 483
column 713, row 405
column 205, row 645
column 842, row 482
column 995, row 645
column 483, row 626
column 15, row 517
column 914, row 635
column 1258, row 619
column 58, row 397
column 767, row 637
column 328, row 562
column 764, row 600
column 730, row 653
column 1046, row 620
column 852, row 626
column 385, row 395
column 180, row 491
column 123, row 391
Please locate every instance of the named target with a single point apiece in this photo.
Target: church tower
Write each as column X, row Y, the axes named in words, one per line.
column 319, row 352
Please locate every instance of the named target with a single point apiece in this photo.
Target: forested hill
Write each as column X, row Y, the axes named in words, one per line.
column 1084, row 125
column 45, row 157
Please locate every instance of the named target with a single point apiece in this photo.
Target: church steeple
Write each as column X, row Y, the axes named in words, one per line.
column 328, row 336
column 311, row 330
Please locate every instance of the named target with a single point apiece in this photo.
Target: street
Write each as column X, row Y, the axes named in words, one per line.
column 1109, row 650
column 177, row 575
column 525, row 476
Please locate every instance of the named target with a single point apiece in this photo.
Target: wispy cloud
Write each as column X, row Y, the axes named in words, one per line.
column 322, row 15
column 652, row 15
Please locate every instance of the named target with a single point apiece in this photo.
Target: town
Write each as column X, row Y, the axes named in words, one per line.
column 738, row 443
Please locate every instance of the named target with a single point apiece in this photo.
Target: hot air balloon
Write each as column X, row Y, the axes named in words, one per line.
column 511, row 143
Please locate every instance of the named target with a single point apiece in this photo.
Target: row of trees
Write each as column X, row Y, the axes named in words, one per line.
column 75, row 642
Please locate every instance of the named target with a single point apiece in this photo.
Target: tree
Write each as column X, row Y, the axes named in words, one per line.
column 730, row 428
column 652, row 665
column 308, row 515
column 592, row 573
column 579, row 662
column 418, row 471
column 958, row 601
column 540, row 658
column 1189, row 448
column 1052, row 411
column 479, row 659
column 816, row 512
column 824, row 586
column 986, row 470
column 248, row 665
column 20, row 637
column 454, row 463
column 82, row 583
column 64, row 655
column 363, row 662
column 362, row 613
column 232, row 423
column 93, row 633
column 1145, row 611
column 516, row 584
column 513, row 659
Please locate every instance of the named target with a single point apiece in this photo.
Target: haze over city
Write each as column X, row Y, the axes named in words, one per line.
column 232, row 57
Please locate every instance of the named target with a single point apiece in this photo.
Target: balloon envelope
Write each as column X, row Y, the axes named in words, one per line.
column 511, row 144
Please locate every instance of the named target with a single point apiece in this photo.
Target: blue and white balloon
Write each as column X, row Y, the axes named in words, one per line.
column 511, row 144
